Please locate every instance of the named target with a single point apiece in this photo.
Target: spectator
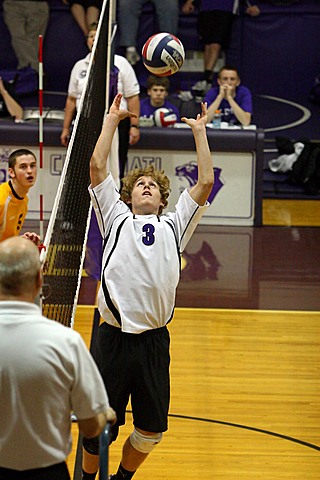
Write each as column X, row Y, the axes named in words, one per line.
column 9, row 105
column 215, row 26
column 85, row 12
column 233, row 99
column 128, row 85
column 158, row 90
column 140, row 243
column 22, row 170
column 26, row 20
column 46, row 373
column 129, row 11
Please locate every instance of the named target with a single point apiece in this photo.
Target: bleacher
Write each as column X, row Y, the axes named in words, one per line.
column 276, row 53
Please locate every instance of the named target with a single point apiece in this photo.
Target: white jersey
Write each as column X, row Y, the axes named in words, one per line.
column 141, row 259
column 46, row 372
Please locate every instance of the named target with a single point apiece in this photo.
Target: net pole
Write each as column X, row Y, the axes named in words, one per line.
column 41, row 137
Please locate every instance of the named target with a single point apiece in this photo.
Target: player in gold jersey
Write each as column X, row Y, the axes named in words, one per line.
column 22, row 171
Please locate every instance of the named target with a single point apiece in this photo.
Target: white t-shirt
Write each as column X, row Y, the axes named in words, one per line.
column 46, row 371
column 128, row 84
column 141, row 259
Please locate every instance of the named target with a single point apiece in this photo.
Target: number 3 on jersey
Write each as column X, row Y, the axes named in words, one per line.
column 148, row 230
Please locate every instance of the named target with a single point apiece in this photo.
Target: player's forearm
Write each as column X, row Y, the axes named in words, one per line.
column 205, row 181
column 98, row 162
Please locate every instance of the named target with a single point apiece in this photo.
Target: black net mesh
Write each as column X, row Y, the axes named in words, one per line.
column 64, row 252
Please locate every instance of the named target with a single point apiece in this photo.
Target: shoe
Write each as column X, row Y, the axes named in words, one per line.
column 199, row 90
column 132, row 55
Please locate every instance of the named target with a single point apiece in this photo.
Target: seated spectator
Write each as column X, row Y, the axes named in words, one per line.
column 158, row 90
column 9, row 105
column 85, row 12
column 129, row 11
column 233, row 99
column 215, row 24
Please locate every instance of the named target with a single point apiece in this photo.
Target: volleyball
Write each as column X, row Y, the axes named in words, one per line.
column 163, row 54
column 164, row 117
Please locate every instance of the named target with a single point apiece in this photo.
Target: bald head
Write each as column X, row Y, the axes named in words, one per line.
column 19, row 269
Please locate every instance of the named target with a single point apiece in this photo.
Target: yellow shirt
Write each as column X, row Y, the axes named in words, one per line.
column 13, row 211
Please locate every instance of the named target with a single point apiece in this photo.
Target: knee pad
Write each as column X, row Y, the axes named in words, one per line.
column 144, row 443
column 91, row 445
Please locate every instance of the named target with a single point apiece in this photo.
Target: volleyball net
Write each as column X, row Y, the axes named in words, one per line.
column 68, row 225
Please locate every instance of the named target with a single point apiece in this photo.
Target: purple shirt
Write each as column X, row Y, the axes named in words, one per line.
column 147, row 110
column 243, row 98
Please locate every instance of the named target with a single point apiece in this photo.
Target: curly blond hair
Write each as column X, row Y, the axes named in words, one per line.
column 149, row 171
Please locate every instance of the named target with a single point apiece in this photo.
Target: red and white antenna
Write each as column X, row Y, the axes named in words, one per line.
column 41, row 135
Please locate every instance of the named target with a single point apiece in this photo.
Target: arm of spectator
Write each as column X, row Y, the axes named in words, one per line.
column 69, row 111
column 188, row 7
column 243, row 117
column 92, row 427
column 12, row 105
column 216, row 103
column 134, row 107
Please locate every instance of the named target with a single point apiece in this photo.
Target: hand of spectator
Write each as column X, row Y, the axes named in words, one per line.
column 223, row 91
column 64, row 137
column 32, row 236
column 229, row 91
column 188, row 7
column 253, row 11
column 134, row 135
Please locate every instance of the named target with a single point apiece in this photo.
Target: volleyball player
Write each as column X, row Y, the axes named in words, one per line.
column 141, row 246
column 22, row 173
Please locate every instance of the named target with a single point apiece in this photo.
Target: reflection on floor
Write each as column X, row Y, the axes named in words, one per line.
column 252, row 268
column 269, row 267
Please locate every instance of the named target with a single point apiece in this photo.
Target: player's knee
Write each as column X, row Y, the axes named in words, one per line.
column 144, row 443
column 91, row 445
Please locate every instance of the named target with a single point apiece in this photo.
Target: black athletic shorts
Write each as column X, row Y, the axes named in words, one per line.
column 87, row 3
column 54, row 472
column 136, row 365
column 215, row 27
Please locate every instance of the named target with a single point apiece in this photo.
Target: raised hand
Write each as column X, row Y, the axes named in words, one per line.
column 200, row 120
column 115, row 109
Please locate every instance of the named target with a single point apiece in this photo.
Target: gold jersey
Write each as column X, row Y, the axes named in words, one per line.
column 13, row 211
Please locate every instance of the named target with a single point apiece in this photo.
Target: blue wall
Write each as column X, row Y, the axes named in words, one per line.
column 277, row 53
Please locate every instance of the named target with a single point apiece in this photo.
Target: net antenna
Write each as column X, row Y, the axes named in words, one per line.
column 67, row 230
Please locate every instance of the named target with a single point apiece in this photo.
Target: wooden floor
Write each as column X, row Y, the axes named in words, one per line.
column 245, row 387
column 245, row 397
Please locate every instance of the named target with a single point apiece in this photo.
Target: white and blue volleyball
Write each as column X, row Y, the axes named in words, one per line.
column 164, row 117
column 163, row 54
